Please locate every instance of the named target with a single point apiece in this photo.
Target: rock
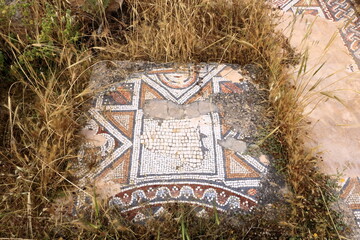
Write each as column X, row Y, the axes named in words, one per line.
column 233, row 144
column 264, row 159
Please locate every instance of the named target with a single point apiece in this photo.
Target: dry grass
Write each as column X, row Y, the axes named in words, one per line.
column 42, row 100
column 45, row 100
column 42, row 123
column 200, row 31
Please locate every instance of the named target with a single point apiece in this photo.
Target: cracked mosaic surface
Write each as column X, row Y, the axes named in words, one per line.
column 173, row 145
column 334, row 10
column 172, row 158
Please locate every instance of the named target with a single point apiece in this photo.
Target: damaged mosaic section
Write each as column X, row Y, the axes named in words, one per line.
column 164, row 137
column 177, row 141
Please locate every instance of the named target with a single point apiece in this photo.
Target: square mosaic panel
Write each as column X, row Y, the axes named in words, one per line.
column 173, row 159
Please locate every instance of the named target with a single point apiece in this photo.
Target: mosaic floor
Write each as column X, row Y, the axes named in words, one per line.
column 163, row 139
column 162, row 136
column 336, row 10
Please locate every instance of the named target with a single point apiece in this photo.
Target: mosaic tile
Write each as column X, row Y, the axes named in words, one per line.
column 162, row 138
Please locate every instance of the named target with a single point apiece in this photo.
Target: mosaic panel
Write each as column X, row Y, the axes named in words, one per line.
column 172, row 159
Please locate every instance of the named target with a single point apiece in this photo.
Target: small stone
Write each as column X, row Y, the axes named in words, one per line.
column 264, row 159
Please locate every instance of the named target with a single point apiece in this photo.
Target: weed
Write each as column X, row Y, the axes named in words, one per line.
column 49, row 57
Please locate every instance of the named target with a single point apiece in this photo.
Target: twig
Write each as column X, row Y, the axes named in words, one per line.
column 29, row 214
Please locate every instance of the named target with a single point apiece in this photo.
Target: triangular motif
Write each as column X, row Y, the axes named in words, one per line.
column 116, row 173
column 237, row 167
column 149, row 96
column 119, row 170
column 124, row 121
column 148, row 93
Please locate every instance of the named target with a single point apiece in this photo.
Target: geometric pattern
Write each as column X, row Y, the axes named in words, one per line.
column 334, row 10
column 193, row 169
column 236, row 167
column 200, row 194
column 117, row 172
column 350, row 33
column 350, row 193
column 124, row 121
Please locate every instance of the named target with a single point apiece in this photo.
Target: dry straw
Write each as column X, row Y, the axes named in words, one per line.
column 46, row 100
